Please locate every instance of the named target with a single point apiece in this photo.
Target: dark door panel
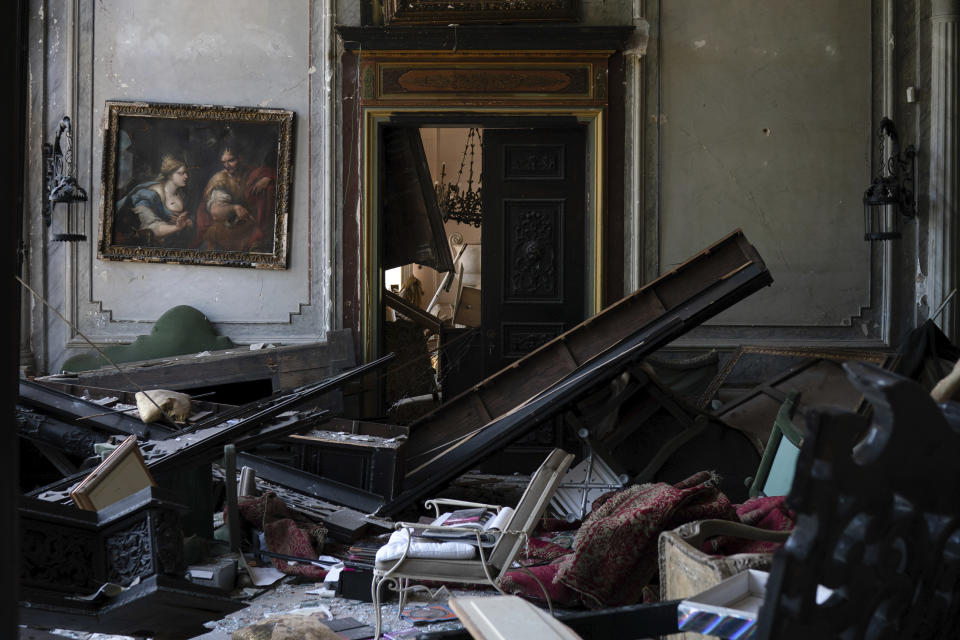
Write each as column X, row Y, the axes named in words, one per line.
column 534, row 239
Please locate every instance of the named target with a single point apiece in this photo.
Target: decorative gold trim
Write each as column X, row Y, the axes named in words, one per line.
column 592, row 64
column 372, row 117
column 219, row 118
column 587, row 68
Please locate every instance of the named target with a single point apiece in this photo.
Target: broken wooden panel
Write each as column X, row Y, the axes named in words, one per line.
column 647, row 434
column 277, row 368
column 199, row 409
column 74, row 410
column 412, row 223
column 673, row 296
column 342, row 523
column 816, row 375
column 246, row 426
column 455, row 451
column 310, row 484
column 66, row 552
column 70, row 439
column 424, row 319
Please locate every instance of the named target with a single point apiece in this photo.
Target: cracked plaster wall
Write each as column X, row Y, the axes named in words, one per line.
column 765, row 125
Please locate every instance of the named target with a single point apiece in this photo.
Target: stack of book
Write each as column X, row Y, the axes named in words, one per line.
column 362, row 553
column 488, row 522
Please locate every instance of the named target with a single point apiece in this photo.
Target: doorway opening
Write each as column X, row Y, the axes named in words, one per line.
column 468, row 296
column 440, row 273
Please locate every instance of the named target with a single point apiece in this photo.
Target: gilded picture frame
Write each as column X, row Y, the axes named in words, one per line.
column 444, row 12
column 196, row 184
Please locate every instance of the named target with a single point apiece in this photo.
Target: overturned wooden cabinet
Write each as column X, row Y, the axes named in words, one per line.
column 67, row 555
column 366, row 455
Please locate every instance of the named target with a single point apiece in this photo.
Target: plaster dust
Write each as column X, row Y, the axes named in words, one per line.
column 290, row 597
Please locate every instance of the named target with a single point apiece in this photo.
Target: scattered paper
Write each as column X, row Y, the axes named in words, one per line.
column 264, row 576
column 107, row 589
column 333, row 573
column 202, row 574
column 323, row 611
column 261, row 576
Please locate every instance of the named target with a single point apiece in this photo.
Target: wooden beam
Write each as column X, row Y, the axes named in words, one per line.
column 426, row 320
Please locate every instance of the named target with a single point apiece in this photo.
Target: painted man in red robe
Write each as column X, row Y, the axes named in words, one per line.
column 237, row 210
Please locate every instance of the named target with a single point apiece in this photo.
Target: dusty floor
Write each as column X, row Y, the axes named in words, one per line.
column 290, row 597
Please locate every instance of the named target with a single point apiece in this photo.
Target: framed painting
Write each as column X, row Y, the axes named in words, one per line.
column 194, row 184
column 445, row 12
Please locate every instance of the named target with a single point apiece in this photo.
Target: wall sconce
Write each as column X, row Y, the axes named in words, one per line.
column 890, row 197
column 61, row 186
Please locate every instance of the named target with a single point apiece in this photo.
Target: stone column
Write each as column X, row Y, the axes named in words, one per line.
column 944, row 228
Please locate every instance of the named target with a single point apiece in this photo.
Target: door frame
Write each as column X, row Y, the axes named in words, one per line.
column 373, row 118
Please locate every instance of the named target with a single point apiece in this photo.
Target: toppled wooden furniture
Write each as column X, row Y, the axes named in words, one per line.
column 366, row 455
column 510, row 403
column 816, row 374
column 878, row 521
column 648, row 434
column 311, row 485
column 84, row 414
column 257, row 422
column 427, row 321
column 277, row 368
column 135, row 543
column 881, row 527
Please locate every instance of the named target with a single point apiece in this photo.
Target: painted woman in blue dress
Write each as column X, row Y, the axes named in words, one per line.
column 160, row 217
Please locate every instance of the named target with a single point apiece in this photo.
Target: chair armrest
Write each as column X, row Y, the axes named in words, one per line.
column 436, row 502
column 704, row 529
column 418, row 525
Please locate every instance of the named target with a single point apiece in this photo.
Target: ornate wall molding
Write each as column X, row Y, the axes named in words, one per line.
column 71, row 276
column 943, row 226
column 406, row 78
column 871, row 316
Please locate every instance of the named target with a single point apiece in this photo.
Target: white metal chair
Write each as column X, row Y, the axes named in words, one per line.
column 488, row 568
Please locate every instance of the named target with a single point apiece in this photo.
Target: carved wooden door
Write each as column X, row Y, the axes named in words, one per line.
column 535, row 240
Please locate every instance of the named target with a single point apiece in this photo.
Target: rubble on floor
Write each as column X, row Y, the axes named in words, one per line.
column 245, row 508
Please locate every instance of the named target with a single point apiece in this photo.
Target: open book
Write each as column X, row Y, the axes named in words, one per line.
column 487, row 521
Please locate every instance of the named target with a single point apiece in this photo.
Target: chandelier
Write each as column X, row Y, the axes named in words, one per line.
column 464, row 206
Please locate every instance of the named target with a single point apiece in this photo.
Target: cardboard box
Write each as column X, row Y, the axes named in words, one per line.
column 731, row 608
